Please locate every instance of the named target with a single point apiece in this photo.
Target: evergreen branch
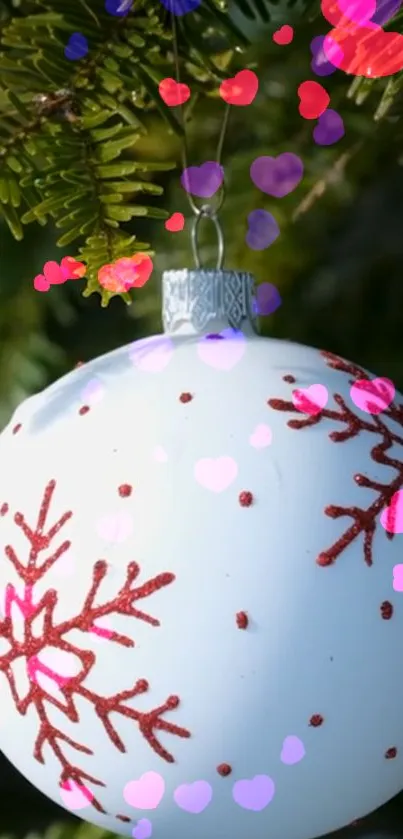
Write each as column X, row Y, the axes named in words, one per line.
column 69, row 129
column 58, row 149
column 102, row 249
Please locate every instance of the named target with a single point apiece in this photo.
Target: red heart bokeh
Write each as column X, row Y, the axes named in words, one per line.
column 360, row 50
column 172, row 93
column 241, row 89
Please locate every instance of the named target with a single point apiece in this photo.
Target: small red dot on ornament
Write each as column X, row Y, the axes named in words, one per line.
column 391, row 753
column 84, row 409
column 124, row 818
column 17, row 428
column 125, row 490
column 245, row 499
column 386, row 609
column 79, row 364
column 3, row 509
column 290, row 379
column 185, row 397
column 224, row 769
column 242, row 620
column 316, row 720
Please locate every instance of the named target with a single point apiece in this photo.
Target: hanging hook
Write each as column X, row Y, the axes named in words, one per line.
column 206, row 211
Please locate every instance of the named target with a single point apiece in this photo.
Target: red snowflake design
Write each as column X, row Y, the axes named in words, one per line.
column 364, row 521
column 55, row 635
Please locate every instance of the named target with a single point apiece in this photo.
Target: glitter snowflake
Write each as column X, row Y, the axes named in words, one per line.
column 56, row 636
column 364, row 521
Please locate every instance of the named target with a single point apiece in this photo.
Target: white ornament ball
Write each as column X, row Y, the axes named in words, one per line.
column 200, row 627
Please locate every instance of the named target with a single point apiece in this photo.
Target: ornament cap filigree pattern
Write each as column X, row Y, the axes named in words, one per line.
column 198, row 301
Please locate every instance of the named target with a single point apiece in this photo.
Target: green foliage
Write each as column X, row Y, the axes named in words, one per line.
column 66, row 830
column 69, row 158
column 79, row 159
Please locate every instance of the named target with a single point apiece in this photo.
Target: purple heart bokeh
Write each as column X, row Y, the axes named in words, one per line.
column 277, row 176
column 385, row 10
column 267, row 299
column 180, row 7
column 263, row 230
column 203, row 180
column 293, row 750
column 320, row 64
column 76, row 47
column 254, row 794
column 193, row 798
column 329, row 129
column 143, row 829
column 118, row 8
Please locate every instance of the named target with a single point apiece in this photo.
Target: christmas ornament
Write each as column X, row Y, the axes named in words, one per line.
column 198, row 613
column 199, row 633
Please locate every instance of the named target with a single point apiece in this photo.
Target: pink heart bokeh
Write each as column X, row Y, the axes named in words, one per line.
column 115, row 528
column 153, row 354
column 101, row 629
column 160, row 455
column 261, row 436
column 222, row 351
column 216, row 474
column 75, row 796
column 146, row 793
column 398, row 577
column 193, row 798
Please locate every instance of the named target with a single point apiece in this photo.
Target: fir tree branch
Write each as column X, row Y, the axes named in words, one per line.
column 68, row 130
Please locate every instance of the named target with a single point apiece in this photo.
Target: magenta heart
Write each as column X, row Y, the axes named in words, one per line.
column 277, row 176
column 392, row 516
column 398, row 577
column 203, row 180
column 146, row 793
column 254, row 794
column 310, row 400
column 194, row 798
column 372, row 396
column 25, row 605
column 75, row 796
column 222, row 351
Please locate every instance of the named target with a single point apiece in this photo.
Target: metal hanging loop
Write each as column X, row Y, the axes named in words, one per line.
column 207, row 212
column 214, row 207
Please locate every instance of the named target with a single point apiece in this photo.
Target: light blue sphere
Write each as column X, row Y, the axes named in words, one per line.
column 174, row 661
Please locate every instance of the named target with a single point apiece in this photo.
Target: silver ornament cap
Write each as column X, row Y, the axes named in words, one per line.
column 205, row 301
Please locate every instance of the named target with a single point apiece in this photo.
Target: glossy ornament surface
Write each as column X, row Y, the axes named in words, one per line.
column 200, row 635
